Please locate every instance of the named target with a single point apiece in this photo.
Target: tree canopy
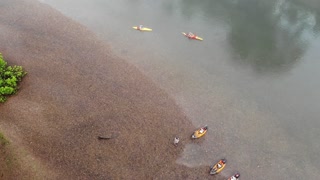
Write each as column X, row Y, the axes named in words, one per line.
column 9, row 78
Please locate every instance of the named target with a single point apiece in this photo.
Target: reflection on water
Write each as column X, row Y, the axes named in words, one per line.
column 268, row 35
column 263, row 42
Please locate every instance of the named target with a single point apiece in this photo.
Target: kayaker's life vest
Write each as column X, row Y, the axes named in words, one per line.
column 233, row 178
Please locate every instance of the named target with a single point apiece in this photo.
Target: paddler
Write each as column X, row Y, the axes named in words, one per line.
column 203, row 129
column 235, row 177
column 176, row 141
column 221, row 163
column 191, row 35
column 140, row 27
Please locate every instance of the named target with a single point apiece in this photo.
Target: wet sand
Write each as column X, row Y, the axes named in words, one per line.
column 76, row 89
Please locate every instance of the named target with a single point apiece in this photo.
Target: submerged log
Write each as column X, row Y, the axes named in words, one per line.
column 104, row 137
column 108, row 136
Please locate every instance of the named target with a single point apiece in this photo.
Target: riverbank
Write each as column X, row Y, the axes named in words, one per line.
column 77, row 89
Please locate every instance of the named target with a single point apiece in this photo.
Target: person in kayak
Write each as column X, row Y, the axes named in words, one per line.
column 221, row 163
column 176, row 141
column 203, row 129
column 235, row 177
column 218, row 167
column 191, row 35
column 140, row 27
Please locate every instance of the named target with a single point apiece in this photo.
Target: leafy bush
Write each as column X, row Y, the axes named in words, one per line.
column 9, row 78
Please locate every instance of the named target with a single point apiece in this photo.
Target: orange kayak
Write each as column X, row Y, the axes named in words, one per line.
column 200, row 132
column 196, row 37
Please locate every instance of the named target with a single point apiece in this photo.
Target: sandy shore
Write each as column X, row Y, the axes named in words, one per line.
column 76, row 90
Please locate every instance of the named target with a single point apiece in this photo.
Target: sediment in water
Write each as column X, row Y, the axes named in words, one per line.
column 77, row 89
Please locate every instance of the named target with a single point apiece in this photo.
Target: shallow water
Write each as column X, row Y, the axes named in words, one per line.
column 253, row 79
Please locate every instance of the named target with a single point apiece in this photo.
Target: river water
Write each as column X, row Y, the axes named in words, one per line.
column 253, row 80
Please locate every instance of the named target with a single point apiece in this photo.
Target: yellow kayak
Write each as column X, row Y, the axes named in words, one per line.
column 195, row 37
column 218, row 167
column 142, row 29
column 200, row 132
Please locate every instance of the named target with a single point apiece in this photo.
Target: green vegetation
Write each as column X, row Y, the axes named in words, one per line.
column 9, row 78
column 6, row 159
column 3, row 140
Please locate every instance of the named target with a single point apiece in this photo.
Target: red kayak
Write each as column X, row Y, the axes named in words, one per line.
column 192, row 37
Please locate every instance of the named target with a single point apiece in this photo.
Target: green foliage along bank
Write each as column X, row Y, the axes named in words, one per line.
column 9, row 78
